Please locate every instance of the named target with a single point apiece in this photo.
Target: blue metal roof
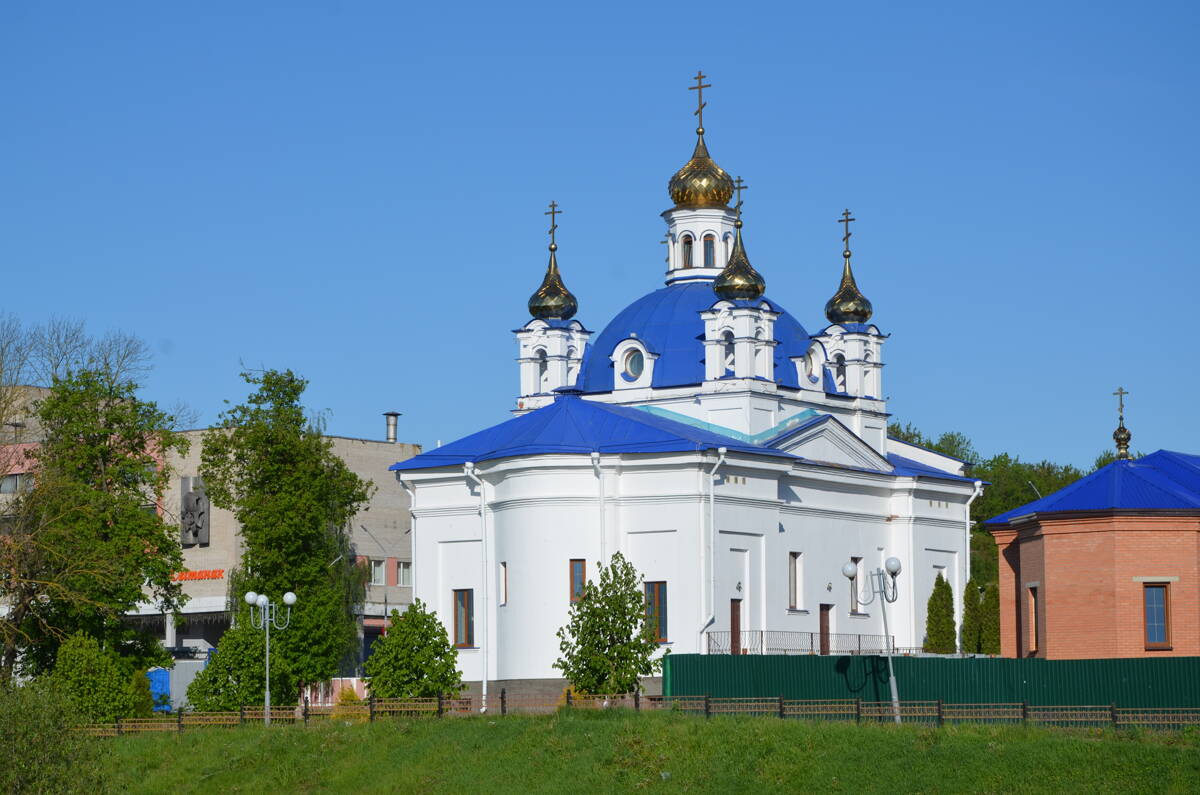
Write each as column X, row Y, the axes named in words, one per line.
column 1162, row 481
column 906, row 467
column 573, row 425
column 668, row 322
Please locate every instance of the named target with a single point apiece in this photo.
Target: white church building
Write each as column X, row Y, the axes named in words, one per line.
column 737, row 460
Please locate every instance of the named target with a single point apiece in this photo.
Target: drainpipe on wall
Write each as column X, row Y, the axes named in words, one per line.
column 469, row 471
column 708, row 551
column 967, row 542
column 412, row 531
column 600, row 502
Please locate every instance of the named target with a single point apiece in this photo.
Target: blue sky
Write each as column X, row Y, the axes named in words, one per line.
column 355, row 190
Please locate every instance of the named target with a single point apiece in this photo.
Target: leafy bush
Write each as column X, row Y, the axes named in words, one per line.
column 42, row 751
column 414, row 659
column 989, row 632
column 939, row 619
column 235, row 676
column 94, row 680
column 972, row 619
column 608, row 642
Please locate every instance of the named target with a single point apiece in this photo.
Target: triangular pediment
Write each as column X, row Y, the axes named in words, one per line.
column 828, row 441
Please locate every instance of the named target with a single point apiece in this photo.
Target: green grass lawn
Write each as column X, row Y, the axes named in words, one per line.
column 615, row 751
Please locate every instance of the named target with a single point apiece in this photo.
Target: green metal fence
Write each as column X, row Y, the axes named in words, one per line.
column 1162, row 682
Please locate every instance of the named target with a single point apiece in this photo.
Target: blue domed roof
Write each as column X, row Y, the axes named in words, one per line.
column 668, row 322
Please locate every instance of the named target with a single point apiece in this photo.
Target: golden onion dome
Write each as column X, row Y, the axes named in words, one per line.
column 701, row 182
column 553, row 300
column 848, row 304
column 739, row 280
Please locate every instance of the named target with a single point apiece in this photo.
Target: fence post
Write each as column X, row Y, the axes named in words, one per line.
column 371, row 708
column 860, row 644
column 441, row 705
column 939, row 712
column 707, row 706
column 858, row 710
column 637, row 700
column 119, row 731
column 503, row 701
column 1025, row 713
column 179, row 720
column 1113, row 711
column 241, row 715
column 781, row 707
column 305, row 709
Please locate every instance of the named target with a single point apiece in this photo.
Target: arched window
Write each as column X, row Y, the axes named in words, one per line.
column 839, row 372
column 687, row 251
column 572, row 365
column 710, row 251
column 543, row 371
column 727, row 340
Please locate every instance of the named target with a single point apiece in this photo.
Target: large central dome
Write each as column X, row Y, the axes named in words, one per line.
column 668, row 322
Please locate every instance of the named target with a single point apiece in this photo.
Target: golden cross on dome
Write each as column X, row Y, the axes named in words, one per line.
column 700, row 103
column 552, row 212
column 845, row 222
column 739, row 185
column 1121, row 393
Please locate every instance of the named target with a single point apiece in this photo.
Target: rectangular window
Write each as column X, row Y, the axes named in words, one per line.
column 854, row 581
column 503, row 582
column 378, row 576
column 1156, row 600
column 795, row 579
column 656, row 609
column 464, row 618
column 10, row 484
column 578, row 578
column 404, row 573
column 1033, row 620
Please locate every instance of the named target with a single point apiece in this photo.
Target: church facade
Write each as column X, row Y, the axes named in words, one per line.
column 737, row 460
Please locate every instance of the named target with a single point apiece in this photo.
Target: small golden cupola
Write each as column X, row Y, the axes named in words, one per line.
column 701, row 182
column 848, row 304
column 739, row 280
column 553, row 301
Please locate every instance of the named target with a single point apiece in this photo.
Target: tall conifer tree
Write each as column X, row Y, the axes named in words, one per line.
column 939, row 619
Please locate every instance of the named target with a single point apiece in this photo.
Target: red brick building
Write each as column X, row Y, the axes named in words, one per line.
column 1107, row 567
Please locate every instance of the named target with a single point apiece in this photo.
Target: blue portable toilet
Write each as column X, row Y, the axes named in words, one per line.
column 160, row 688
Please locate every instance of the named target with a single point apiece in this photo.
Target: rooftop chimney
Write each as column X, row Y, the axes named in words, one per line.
column 391, row 425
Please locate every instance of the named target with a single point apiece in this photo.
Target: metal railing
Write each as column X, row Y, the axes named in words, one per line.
column 777, row 642
column 928, row 713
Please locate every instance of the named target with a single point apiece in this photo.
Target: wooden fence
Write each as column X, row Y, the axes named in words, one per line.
column 930, row 713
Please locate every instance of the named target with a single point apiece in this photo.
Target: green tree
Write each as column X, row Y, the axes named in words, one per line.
column 84, row 544
column 43, row 749
column 95, row 680
column 234, row 676
column 939, row 619
column 608, row 641
column 294, row 499
column 972, row 619
column 989, row 631
column 414, row 659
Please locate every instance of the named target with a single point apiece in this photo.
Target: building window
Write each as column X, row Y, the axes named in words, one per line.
column 543, row 371
column 1032, row 640
column 854, row 581
column 839, row 372
column 635, row 365
column 578, row 578
column 710, row 251
column 687, row 251
column 656, row 609
column 464, row 618
column 404, row 573
column 377, row 573
column 11, row 484
column 503, row 582
column 730, row 351
column 1156, row 601
column 795, row 579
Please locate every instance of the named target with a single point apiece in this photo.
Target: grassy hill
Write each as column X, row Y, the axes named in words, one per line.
column 586, row 752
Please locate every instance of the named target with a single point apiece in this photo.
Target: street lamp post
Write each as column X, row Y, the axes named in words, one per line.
column 268, row 615
column 879, row 586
